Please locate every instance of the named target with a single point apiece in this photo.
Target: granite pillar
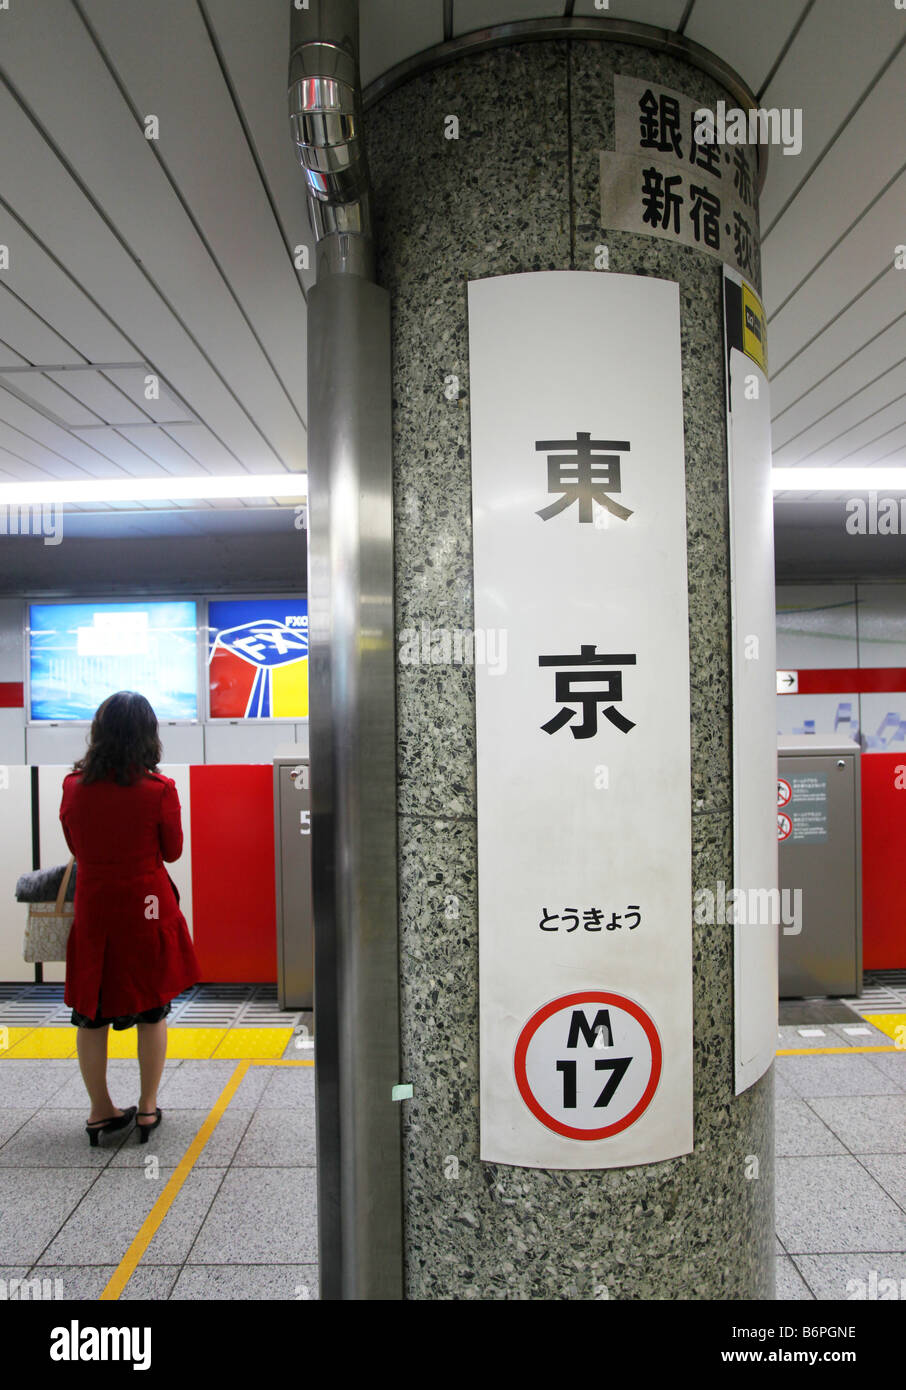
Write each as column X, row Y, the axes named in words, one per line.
column 519, row 191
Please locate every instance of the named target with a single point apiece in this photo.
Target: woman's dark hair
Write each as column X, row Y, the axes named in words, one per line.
column 124, row 741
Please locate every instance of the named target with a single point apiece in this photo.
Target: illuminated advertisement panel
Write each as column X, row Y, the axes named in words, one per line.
column 79, row 653
column 258, row 658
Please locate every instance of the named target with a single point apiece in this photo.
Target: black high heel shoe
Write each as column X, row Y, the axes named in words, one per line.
column 95, row 1128
column 145, row 1130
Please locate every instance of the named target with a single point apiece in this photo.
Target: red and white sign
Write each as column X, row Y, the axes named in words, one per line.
column 582, row 764
column 588, row 1064
column 784, row 826
column 784, row 791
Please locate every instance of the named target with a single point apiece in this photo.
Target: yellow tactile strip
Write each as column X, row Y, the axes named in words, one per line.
column 197, row 1044
column 894, row 1025
column 128, row 1264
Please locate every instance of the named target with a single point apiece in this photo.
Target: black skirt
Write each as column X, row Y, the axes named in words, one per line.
column 124, row 1021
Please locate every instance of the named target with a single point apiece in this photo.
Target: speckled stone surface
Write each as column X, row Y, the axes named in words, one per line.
column 518, row 191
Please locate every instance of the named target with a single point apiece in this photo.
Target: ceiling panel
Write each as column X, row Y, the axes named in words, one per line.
column 858, row 162
column 886, row 445
column 101, row 396
column 8, row 358
column 664, row 14
column 131, row 382
column 156, row 442
column 860, row 370
column 211, row 166
column 46, row 286
column 862, row 417
column 391, row 30
column 15, row 468
column 30, row 458
column 30, row 337
column 872, row 313
column 82, row 460
column 46, row 396
column 130, row 459
column 46, row 196
column 828, row 69
column 841, row 276
column 55, row 62
column 252, row 41
column 198, row 441
column 748, row 37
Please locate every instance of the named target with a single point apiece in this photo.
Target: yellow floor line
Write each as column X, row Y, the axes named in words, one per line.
column 199, row 1044
column 826, row 1051
column 282, row 1062
column 127, row 1265
column 130, row 1261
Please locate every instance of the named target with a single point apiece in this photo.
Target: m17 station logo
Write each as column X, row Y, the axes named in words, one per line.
column 258, row 670
column 588, row 1064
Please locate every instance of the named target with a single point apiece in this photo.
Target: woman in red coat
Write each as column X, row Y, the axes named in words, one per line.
column 129, row 950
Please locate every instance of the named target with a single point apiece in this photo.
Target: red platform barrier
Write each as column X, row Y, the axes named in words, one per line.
column 233, row 893
column 883, row 857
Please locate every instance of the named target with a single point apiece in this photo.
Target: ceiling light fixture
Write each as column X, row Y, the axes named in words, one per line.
column 193, row 487
column 838, row 479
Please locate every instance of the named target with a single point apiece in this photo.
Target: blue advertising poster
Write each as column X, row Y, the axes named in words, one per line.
column 258, row 658
column 79, row 653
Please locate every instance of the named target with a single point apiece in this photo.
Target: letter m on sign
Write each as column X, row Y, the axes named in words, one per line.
column 580, row 1024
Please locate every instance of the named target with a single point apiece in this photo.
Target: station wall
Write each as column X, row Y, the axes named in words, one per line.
column 847, row 645
column 224, row 776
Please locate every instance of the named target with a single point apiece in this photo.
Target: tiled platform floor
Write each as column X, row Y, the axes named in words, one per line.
column 841, row 1164
column 243, row 1225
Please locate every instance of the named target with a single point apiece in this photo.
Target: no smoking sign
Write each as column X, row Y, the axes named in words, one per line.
column 587, row 1065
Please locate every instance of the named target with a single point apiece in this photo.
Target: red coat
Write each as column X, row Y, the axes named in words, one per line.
column 122, row 958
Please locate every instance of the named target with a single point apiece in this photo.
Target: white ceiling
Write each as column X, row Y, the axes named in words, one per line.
column 131, row 256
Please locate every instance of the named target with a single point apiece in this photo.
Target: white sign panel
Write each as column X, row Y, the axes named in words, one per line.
column 755, row 831
column 584, row 831
column 787, row 682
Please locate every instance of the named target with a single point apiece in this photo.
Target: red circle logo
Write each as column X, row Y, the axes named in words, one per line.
column 645, row 1046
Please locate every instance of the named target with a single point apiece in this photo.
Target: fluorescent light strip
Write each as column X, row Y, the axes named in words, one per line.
column 195, row 487
column 200, row 487
column 838, row 479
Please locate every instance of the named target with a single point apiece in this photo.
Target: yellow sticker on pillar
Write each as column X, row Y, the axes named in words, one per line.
column 754, row 332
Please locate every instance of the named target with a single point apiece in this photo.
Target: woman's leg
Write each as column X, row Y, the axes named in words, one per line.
column 152, row 1053
column 91, row 1044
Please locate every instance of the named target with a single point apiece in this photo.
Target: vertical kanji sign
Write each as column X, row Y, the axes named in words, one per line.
column 584, row 817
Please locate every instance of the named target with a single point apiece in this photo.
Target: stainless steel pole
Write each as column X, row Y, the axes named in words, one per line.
column 352, row 726
column 352, row 718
